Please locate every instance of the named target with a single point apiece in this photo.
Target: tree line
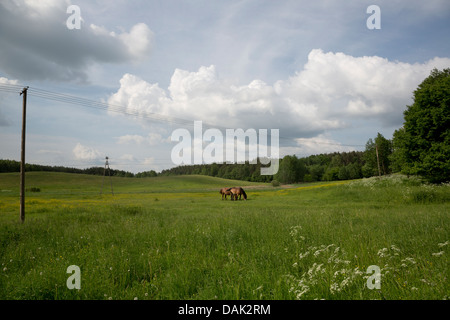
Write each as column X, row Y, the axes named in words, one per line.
column 322, row 167
column 292, row 169
column 14, row 166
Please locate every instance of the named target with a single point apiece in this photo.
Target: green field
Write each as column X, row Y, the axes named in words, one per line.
column 174, row 238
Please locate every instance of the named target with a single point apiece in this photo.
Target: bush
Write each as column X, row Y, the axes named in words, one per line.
column 275, row 183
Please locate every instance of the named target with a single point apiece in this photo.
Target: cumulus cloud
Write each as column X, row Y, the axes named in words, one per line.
column 357, row 87
column 332, row 91
column 85, row 153
column 4, row 80
column 35, row 42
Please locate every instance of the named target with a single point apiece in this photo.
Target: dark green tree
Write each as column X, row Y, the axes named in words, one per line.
column 384, row 152
column 422, row 146
column 370, row 167
column 291, row 170
column 384, row 146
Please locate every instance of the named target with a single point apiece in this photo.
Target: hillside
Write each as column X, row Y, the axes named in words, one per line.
column 58, row 182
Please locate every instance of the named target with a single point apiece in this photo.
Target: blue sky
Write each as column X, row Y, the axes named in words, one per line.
column 311, row 69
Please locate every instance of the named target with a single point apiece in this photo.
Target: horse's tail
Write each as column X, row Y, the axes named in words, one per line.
column 244, row 194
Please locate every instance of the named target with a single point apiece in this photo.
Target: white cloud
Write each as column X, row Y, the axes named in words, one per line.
column 360, row 87
column 4, row 80
column 138, row 41
column 128, row 157
column 151, row 139
column 149, row 161
column 129, row 138
column 331, row 92
column 320, row 144
column 85, row 153
column 155, row 138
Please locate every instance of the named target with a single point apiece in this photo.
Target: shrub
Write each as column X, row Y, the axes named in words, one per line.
column 275, row 183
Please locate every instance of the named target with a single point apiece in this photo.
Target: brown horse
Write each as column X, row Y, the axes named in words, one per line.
column 225, row 192
column 235, row 192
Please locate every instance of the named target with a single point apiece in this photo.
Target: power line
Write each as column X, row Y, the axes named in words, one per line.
column 83, row 102
column 12, row 88
column 106, row 106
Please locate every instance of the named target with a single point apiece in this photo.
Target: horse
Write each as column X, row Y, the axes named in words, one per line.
column 225, row 192
column 235, row 192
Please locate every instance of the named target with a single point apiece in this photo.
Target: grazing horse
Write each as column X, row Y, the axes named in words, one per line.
column 235, row 192
column 225, row 192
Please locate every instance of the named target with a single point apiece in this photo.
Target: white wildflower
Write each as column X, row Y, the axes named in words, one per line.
column 440, row 245
column 301, row 256
column 437, row 254
column 345, row 282
column 299, row 293
column 394, row 248
column 334, row 288
column 358, row 272
column 382, row 252
column 410, row 260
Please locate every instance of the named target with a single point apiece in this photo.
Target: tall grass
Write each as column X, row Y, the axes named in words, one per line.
column 314, row 242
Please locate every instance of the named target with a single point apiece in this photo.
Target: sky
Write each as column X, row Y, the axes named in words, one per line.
column 133, row 72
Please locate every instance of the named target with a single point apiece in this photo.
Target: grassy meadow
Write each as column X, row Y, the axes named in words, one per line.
column 174, row 238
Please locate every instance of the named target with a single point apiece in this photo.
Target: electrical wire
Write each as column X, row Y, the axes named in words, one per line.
column 83, row 102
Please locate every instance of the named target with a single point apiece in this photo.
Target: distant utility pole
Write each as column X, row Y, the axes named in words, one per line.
column 22, row 156
column 109, row 173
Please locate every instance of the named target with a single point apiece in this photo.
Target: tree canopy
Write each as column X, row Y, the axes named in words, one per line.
column 422, row 145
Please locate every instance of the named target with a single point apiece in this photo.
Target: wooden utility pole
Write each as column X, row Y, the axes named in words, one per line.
column 22, row 156
column 378, row 161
